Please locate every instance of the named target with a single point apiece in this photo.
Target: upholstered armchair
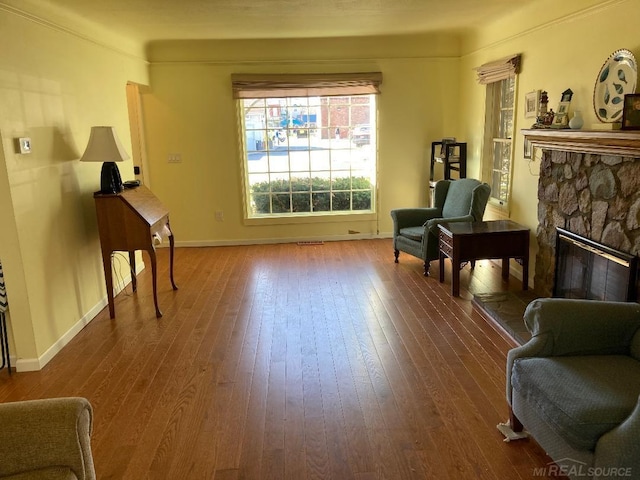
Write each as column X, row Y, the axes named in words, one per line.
column 415, row 230
column 46, row 440
column 575, row 386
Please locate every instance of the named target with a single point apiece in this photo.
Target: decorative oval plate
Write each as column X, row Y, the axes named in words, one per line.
column 617, row 77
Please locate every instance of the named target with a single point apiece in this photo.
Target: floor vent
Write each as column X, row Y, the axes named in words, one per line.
column 304, row 244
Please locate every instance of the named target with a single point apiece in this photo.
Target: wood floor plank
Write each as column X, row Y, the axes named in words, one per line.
column 293, row 362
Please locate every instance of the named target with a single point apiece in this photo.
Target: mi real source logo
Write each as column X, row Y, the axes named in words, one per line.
column 569, row 467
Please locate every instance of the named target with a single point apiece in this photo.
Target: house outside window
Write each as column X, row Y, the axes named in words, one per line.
column 307, row 155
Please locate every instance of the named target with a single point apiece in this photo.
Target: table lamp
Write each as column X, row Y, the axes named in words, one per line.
column 104, row 146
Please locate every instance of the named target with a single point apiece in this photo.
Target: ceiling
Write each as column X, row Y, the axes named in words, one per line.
column 148, row 20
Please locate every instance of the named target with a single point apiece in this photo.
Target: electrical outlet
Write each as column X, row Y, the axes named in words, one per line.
column 174, row 158
column 219, row 216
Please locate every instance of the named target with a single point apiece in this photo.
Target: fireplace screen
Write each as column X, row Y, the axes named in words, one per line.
column 589, row 270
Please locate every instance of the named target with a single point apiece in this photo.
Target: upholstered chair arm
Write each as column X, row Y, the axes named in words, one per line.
column 46, row 437
column 620, row 447
column 583, row 327
column 561, row 326
column 412, row 217
column 432, row 224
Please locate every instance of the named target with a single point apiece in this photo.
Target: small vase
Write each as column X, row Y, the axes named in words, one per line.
column 576, row 122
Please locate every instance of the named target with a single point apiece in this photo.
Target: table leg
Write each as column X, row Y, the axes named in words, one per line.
column 108, row 278
column 441, row 262
column 455, row 275
column 154, row 274
column 525, row 273
column 132, row 264
column 505, row 268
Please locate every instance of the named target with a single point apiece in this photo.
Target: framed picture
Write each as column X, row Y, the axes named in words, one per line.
column 531, row 102
column 560, row 120
column 631, row 112
column 563, row 108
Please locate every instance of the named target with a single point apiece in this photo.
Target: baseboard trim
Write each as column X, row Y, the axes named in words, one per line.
column 270, row 241
column 36, row 364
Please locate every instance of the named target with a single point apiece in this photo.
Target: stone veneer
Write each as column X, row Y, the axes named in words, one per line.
column 595, row 196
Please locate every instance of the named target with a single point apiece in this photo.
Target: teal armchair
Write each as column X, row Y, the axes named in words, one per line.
column 415, row 230
column 575, row 386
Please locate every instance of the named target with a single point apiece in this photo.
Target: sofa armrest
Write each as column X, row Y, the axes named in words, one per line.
column 620, row 447
column 412, row 217
column 40, row 434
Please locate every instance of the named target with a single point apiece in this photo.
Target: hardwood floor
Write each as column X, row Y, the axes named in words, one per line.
column 293, row 362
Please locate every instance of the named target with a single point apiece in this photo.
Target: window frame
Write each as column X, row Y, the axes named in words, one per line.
column 310, row 216
column 493, row 117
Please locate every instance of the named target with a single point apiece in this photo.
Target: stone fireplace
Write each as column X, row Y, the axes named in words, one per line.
column 590, row 185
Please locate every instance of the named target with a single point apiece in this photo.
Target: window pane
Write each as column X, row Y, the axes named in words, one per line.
column 309, row 155
column 501, row 169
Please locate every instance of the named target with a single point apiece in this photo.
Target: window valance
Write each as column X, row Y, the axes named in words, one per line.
column 499, row 69
column 305, row 85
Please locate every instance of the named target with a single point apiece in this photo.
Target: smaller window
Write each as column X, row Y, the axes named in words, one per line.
column 497, row 158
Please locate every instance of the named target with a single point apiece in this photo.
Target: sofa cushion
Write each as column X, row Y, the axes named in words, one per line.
column 581, row 397
column 414, row 233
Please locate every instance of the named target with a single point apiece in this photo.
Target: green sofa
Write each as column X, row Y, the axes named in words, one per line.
column 46, row 440
column 415, row 230
column 575, row 386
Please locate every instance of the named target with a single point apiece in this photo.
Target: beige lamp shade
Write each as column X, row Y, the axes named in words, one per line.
column 104, row 146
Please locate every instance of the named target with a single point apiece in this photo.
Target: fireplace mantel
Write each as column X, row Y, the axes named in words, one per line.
column 601, row 142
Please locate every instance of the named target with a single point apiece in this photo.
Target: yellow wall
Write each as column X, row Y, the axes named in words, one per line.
column 190, row 110
column 53, row 87
column 560, row 50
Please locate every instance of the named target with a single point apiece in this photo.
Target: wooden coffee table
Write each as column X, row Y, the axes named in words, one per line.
column 470, row 241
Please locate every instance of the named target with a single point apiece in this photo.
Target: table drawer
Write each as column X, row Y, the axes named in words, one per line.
column 446, row 245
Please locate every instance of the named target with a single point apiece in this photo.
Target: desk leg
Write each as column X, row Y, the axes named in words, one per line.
column 132, row 263
column 108, row 278
column 154, row 274
column 171, row 248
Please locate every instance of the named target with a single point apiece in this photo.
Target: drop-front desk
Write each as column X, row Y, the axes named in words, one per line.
column 131, row 220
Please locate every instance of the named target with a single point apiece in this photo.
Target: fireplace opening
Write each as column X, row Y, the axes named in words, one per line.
column 589, row 270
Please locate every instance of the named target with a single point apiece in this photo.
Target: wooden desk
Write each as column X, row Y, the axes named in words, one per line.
column 128, row 221
column 470, row 241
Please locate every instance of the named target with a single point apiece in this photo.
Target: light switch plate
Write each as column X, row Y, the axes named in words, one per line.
column 24, row 145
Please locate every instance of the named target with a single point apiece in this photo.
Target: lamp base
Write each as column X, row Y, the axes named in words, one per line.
column 110, row 180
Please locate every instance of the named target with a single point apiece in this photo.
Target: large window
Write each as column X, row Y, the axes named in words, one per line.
column 308, row 155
